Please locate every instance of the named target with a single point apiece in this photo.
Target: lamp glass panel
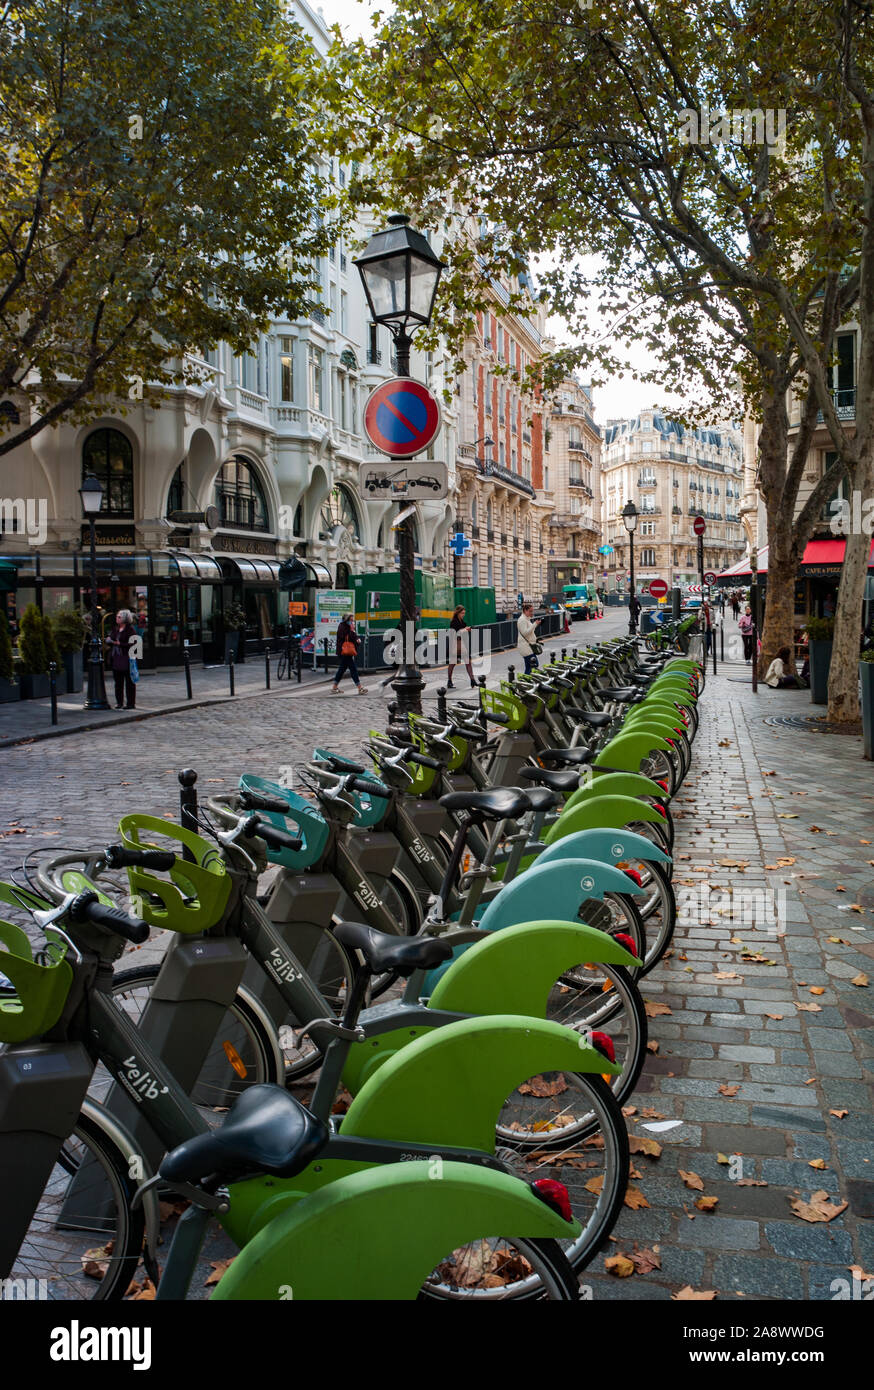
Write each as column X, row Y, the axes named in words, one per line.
column 386, row 282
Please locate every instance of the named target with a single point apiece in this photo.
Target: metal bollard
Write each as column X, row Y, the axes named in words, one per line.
column 564, row 653
column 713, row 649
column 188, row 804
column 511, row 673
column 53, row 689
column 722, row 640
column 231, row 671
column 325, row 645
column 441, row 704
column 267, row 669
column 755, row 660
column 186, row 657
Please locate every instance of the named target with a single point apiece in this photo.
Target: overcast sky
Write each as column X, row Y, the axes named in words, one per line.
column 622, row 397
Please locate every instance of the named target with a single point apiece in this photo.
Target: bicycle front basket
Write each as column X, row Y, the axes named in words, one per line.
column 38, row 992
column 196, row 893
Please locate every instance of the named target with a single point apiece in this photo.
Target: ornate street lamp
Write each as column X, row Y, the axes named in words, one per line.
column 629, row 520
column 91, row 494
column 400, row 274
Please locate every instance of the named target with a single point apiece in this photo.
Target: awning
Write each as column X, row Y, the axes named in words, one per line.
column 194, row 567
column 8, row 576
column 319, row 574
column 818, row 554
column 250, row 571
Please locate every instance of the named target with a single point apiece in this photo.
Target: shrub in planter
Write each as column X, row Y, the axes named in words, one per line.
column 234, row 619
column 820, row 632
column 36, row 648
column 866, row 677
column 70, row 630
column 9, row 689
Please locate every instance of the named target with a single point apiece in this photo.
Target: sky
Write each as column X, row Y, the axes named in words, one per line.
column 621, row 397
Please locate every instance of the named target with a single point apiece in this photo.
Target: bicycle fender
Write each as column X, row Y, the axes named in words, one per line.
column 600, row 812
column 632, row 784
column 449, row 1087
column 609, row 846
column 378, row 1234
column 515, row 971
column 564, row 885
column 629, row 750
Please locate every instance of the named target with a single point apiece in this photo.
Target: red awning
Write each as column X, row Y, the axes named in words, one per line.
column 816, row 553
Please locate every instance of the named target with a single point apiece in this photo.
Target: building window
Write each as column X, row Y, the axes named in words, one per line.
column 515, row 574
column 344, row 312
column 316, row 363
column 339, row 509
column 373, row 353
column 503, row 573
column 286, row 369
column 474, row 575
column 490, row 577
column 546, row 478
column 176, row 495
column 107, row 454
column 473, row 512
column 240, row 497
column 648, row 557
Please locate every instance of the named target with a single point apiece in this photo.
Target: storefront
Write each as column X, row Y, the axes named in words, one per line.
column 817, row 580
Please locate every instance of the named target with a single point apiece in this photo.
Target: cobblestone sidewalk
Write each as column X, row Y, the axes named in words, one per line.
column 765, row 1058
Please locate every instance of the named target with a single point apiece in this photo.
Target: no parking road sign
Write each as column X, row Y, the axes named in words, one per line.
column 401, row 417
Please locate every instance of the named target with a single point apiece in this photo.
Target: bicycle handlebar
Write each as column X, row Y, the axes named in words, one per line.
column 87, row 907
column 257, row 801
column 368, row 787
column 272, row 836
column 120, row 857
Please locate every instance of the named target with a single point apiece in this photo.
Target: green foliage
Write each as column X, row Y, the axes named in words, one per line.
column 6, row 669
column 234, row 616
column 69, row 629
column 867, row 656
column 159, row 194
column 820, row 629
column 31, row 642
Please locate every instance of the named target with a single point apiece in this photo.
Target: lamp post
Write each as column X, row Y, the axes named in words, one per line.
column 629, row 520
column 400, row 274
column 91, row 494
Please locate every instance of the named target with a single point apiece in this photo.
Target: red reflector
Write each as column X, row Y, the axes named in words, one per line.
column 625, row 940
column 662, row 784
column 555, row 1195
column 670, row 741
column 604, row 1043
column 632, row 873
column 661, row 810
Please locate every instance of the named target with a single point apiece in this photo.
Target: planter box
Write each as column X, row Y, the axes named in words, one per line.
column 866, row 676
column 9, row 691
column 820, row 663
column 73, row 670
column 38, row 687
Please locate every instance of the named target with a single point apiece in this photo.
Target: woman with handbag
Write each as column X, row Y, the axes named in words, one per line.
column 121, row 638
column 348, row 643
column 458, row 626
column 527, row 644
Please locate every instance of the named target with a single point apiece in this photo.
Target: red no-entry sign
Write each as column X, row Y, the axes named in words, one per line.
column 699, row 526
column 658, row 588
column 401, row 417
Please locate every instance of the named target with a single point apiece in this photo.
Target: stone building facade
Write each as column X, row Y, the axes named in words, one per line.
column 572, row 481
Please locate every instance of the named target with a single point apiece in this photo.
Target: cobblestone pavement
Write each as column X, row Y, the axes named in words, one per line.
column 765, row 1058
column 764, row 1066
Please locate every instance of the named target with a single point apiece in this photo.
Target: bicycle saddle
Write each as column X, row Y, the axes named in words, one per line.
column 541, row 798
column 572, row 757
column 382, row 952
column 266, row 1131
column 496, row 803
column 555, row 780
column 598, row 718
column 622, row 693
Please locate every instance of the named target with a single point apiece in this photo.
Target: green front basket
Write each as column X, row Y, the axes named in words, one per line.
column 196, row 893
column 40, row 990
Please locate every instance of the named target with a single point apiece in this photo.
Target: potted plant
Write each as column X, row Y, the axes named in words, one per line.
column 68, row 627
column 234, row 623
column 866, row 676
column 9, row 687
column 820, row 633
column 32, row 655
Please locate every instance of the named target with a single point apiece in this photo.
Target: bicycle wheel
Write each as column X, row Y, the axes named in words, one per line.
column 658, row 908
column 242, row 1053
column 615, row 914
column 570, row 1127
column 282, row 667
column 497, row 1268
column 87, row 1247
column 604, row 999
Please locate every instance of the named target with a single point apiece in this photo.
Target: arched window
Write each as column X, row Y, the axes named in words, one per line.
column 473, row 512
column 176, row 494
column 338, row 509
column 107, row 455
column 240, row 497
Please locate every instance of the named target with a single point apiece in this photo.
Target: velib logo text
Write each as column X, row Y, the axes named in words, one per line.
column 77, row 1343
column 25, row 516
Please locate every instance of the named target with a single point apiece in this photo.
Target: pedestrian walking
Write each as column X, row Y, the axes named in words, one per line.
column 457, row 644
column 348, row 643
column 634, row 607
column 527, row 644
column 745, row 623
column 735, row 604
column 707, row 620
column 120, row 641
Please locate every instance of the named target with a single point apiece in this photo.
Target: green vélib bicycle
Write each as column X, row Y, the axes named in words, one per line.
column 269, row 1171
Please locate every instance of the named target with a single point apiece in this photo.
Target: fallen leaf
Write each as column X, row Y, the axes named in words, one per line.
column 629, row 1110
column 652, row 1045
column 810, row 1008
column 634, row 1199
column 540, row 1087
column 144, row 1292
column 751, row 1182
column 819, row 1208
column 860, row 980
column 639, row 1144
column 219, row 1268
column 777, row 1016
column 727, row 975
column 817, row 989
column 729, row 1090
column 818, row 1163
column 645, row 1261
column 707, row 1203
column 688, row 1295
column 859, row 1273
column 722, row 1158
column 655, row 1010
column 620, row 1266
column 839, row 1114
column 649, row 1114
column 594, row 1184
column 692, row 1180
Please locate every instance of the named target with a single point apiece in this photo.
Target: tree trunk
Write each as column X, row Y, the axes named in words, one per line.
column 778, row 628
column 843, row 683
